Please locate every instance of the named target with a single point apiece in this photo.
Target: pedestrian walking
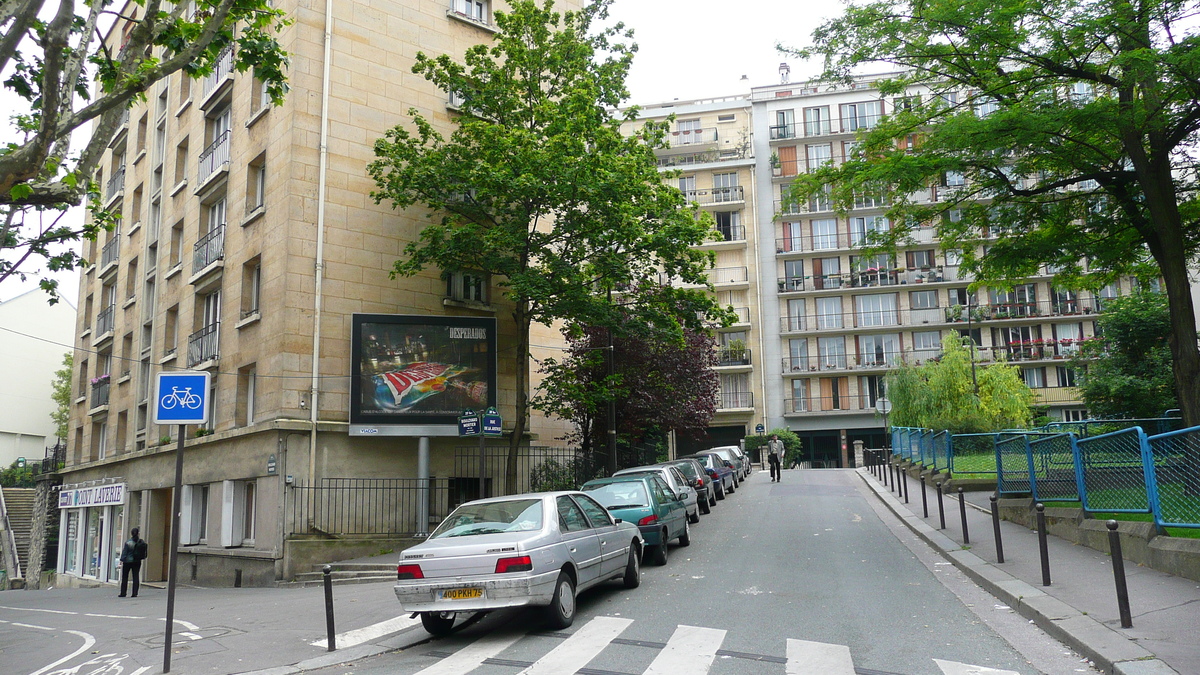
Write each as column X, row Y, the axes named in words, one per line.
column 132, row 555
column 775, row 457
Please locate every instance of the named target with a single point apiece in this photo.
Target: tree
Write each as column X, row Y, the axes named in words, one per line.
column 61, row 393
column 538, row 188
column 792, row 445
column 1126, row 371
column 69, row 77
column 1069, row 121
column 940, row 394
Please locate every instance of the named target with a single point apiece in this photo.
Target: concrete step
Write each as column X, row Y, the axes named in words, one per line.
column 346, row 574
column 339, row 581
column 19, row 502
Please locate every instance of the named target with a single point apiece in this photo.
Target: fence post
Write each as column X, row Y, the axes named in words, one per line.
column 962, row 510
column 924, row 497
column 904, row 485
column 1043, row 550
column 1118, row 565
column 325, row 571
column 941, row 508
column 996, row 528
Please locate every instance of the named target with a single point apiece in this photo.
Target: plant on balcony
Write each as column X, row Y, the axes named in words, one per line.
column 954, row 313
column 201, row 433
column 100, row 379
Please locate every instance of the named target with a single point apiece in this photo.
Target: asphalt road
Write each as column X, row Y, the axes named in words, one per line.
column 779, row 578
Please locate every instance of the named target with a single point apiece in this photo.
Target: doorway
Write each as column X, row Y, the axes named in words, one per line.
column 157, row 533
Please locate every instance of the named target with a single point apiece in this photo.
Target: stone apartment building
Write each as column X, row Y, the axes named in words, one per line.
column 246, row 252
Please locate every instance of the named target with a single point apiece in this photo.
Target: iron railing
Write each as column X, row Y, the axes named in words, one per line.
column 99, row 395
column 214, row 156
column 221, row 70
column 731, row 356
column 204, row 344
column 116, row 183
column 209, row 249
column 367, row 506
column 729, row 400
column 105, row 320
column 111, row 251
column 686, row 137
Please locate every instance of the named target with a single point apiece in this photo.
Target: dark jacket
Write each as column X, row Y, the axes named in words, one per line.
column 133, row 551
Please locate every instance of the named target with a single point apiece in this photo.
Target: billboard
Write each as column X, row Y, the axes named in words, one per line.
column 420, row 370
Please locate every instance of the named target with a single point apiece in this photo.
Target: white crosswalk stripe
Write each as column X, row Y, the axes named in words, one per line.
column 578, row 650
column 804, row 658
column 956, row 668
column 473, row 655
column 690, row 650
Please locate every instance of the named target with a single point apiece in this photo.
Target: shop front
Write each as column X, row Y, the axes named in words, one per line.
column 91, row 531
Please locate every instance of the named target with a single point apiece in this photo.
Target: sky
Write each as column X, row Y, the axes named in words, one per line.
column 685, row 51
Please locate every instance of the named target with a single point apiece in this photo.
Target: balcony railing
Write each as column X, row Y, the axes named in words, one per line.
column 111, row 251
column 203, row 345
column 728, row 400
column 850, row 125
column 790, row 284
column 808, row 364
column 214, row 156
column 805, row 244
column 99, row 395
column 705, row 157
column 692, row 137
column 795, row 405
column 116, row 183
column 721, row 195
column 104, row 320
column 209, row 249
column 731, row 232
column 1057, row 395
column 742, row 314
column 733, row 357
column 221, row 70
column 728, row 275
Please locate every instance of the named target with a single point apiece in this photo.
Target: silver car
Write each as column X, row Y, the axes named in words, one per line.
column 535, row 549
column 677, row 481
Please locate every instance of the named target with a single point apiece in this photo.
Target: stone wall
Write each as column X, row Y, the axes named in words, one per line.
column 43, row 530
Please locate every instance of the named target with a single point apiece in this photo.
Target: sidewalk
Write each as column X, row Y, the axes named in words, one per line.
column 1080, row 606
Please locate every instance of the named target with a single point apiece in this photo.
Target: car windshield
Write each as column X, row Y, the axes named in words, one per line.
column 517, row 515
column 623, row 495
column 687, row 469
column 706, row 460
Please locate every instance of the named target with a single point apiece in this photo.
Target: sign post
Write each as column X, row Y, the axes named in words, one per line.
column 181, row 397
column 492, row 425
column 468, row 425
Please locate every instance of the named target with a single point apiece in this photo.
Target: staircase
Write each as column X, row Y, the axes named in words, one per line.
column 19, row 504
column 347, row 573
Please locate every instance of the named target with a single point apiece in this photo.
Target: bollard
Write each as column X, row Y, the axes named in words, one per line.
column 904, row 485
column 962, row 512
column 941, row 508
column 924, row 498
column 1042, row 548
column 1118, row 565
column 996, row 529
column 326, row 571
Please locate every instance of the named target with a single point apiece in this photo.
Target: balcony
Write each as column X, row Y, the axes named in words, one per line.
column 793, row 324
column 203, row 345
column 208, row 250
column 121, row 131
column 742, row 314
column 735, row 400
column 730, row 233
column 692, row 139
column 790, row 284
column 722, row 195
column 698, row 158
column 787, row 207
column 98, row 398
column 1057, row 395
column 730, row 356
column 795, row 405
column 806, row 244
column 879, row 359
column 782, row 132
column 110, row 254
column 855, row 124
column 729, row 275
column 214, row 157
column 221, row 71
column 116, row 185
column 105, row 321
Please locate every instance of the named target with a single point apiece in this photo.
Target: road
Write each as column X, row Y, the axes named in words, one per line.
column 804, row 576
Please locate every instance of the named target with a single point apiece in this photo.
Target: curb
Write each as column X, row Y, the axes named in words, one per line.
column 404, row 639
column 1112, row 652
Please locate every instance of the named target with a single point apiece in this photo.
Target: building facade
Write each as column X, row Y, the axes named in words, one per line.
column 245, row 251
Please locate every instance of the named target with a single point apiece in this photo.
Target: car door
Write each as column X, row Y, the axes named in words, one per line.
column 675, row 515
column 612, row 547
column 682, row 485
column 580, row 538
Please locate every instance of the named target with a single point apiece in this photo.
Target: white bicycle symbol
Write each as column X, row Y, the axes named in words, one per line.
column 183, row 397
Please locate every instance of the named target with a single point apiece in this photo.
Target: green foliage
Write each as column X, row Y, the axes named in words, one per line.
column 1069, row 122
column 552, row 475
column 61, row 394
column 792, row 445
column 15, row 476
column 1127, row 371
column 940, row 394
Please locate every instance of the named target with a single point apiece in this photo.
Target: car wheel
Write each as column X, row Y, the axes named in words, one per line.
column 438, row 623
column 720, row 491
column 685, row 539
column 660, row 551
column 706, row 505
column 633, row 569
column 695, row 517
column 561, row 612
column 732, row 487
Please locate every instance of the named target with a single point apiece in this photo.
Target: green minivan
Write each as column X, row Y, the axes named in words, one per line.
column 648, row 502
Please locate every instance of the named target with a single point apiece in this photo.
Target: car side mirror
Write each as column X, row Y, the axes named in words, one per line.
column 617, row 520
column 680, row 496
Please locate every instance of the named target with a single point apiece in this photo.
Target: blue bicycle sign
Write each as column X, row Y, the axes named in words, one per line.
column 182, row 398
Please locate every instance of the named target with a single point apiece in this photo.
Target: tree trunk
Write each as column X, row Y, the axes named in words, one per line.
column 522, row 400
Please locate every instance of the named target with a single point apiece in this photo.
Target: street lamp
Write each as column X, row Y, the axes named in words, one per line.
column 971, row 339
column 884, row 407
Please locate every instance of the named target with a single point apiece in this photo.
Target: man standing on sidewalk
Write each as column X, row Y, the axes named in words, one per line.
column 775, row 457
column 132, row 555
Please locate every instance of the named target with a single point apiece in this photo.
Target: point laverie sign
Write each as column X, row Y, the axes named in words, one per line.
column 97, row 495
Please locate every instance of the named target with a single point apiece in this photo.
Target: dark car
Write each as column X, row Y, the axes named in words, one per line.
column 734, row 461
column 647, row 500
column 719, row 471
column 706, row 490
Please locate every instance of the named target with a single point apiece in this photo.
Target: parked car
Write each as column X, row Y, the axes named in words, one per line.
column 694, row 472
column 533, row 549
column 678, row 483
column 735, row 462
column 718, row 471
column 647, row 500
column 747, row 465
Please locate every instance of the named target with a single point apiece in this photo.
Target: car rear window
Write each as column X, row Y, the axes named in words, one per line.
column 516, row 515
column 623, row 495
column 687, row 468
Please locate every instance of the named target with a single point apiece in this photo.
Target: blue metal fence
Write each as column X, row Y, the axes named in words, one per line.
column 1053, row 462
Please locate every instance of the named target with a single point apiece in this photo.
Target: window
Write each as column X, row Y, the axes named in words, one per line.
column 879, row 350
column 170, row 331
column 792, row 240
column 570, row 516
column 1106, row 294
column 927, row 343
column 835, row 393
column 953, row 256
column 476, row 10
column 687, row 185
column 467, row 286
column 795, row 314
column 100, row 439
column 726, row 118
column 799, row 402
column 256, row 184
column 862, row 229
column 793, row 275
column 829, row 313
column 176, row 255
column 260, row 97
column 823, row 200
column 185, row 88
column 688, row 132
column 818, row 155
column 1075, row 415
column 960, row 296
column 798, row 354
column 876, row 310
column 1081, row 92
column 194, row 505
column 1020, row 301
column 831, row 353
column 824, row 233
column 238, row 512
column 784, row 127
column 920, row 259
column 816, row 121
column 955, row 179
column 247, row 394
column 923, row 299
column 142, row 126
column 181, row 163
column 986, row 105
column 251, row 287
column 827, row 273
column 597, row 514
column 1066, row 376
column 861, row 115
column 1035, row 378
column 729, row 224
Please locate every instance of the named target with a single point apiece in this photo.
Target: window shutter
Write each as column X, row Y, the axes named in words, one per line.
column 228, row 514
column 787, row 160
column 187, row 528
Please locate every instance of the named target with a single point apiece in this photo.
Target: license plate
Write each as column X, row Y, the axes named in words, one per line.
column 462, row 593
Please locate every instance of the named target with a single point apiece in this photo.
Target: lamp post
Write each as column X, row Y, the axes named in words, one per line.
column 884, row 407
column 974, row 381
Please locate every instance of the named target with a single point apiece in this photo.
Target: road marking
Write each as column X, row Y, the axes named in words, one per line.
column 817, row 657
column 956, row 668
column 579, row 649
column 472, row 656
column 691, row 649
column 30, row 625
column 186, row 624
column 88, row 641
column 59, row 611
column 367, row 633
column 190, row 635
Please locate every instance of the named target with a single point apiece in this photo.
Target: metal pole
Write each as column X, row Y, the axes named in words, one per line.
column 176, row 500
column 1043, row 550
column 996, row 529
column 904, row 485
column 962, row 510
column 1118, row 565
column 483, row 464
column 326, row 572
column 941, row 508
column 924, row 498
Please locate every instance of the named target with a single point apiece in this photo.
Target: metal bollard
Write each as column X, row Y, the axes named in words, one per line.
column 962, row 512
column 996, row 529
column 1118, row 565
column 924, row 498
column 1042, row 547
column 904, row 485
column 326, row 571
column 941, row 508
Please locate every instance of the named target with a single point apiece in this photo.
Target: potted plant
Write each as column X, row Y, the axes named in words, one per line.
column 954, row 313
column 776, row 168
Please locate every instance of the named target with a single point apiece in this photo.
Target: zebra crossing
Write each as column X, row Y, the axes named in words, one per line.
column 691, row 650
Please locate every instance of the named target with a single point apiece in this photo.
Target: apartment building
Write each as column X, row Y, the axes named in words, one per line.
column 244, row 252
column 710, row 156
